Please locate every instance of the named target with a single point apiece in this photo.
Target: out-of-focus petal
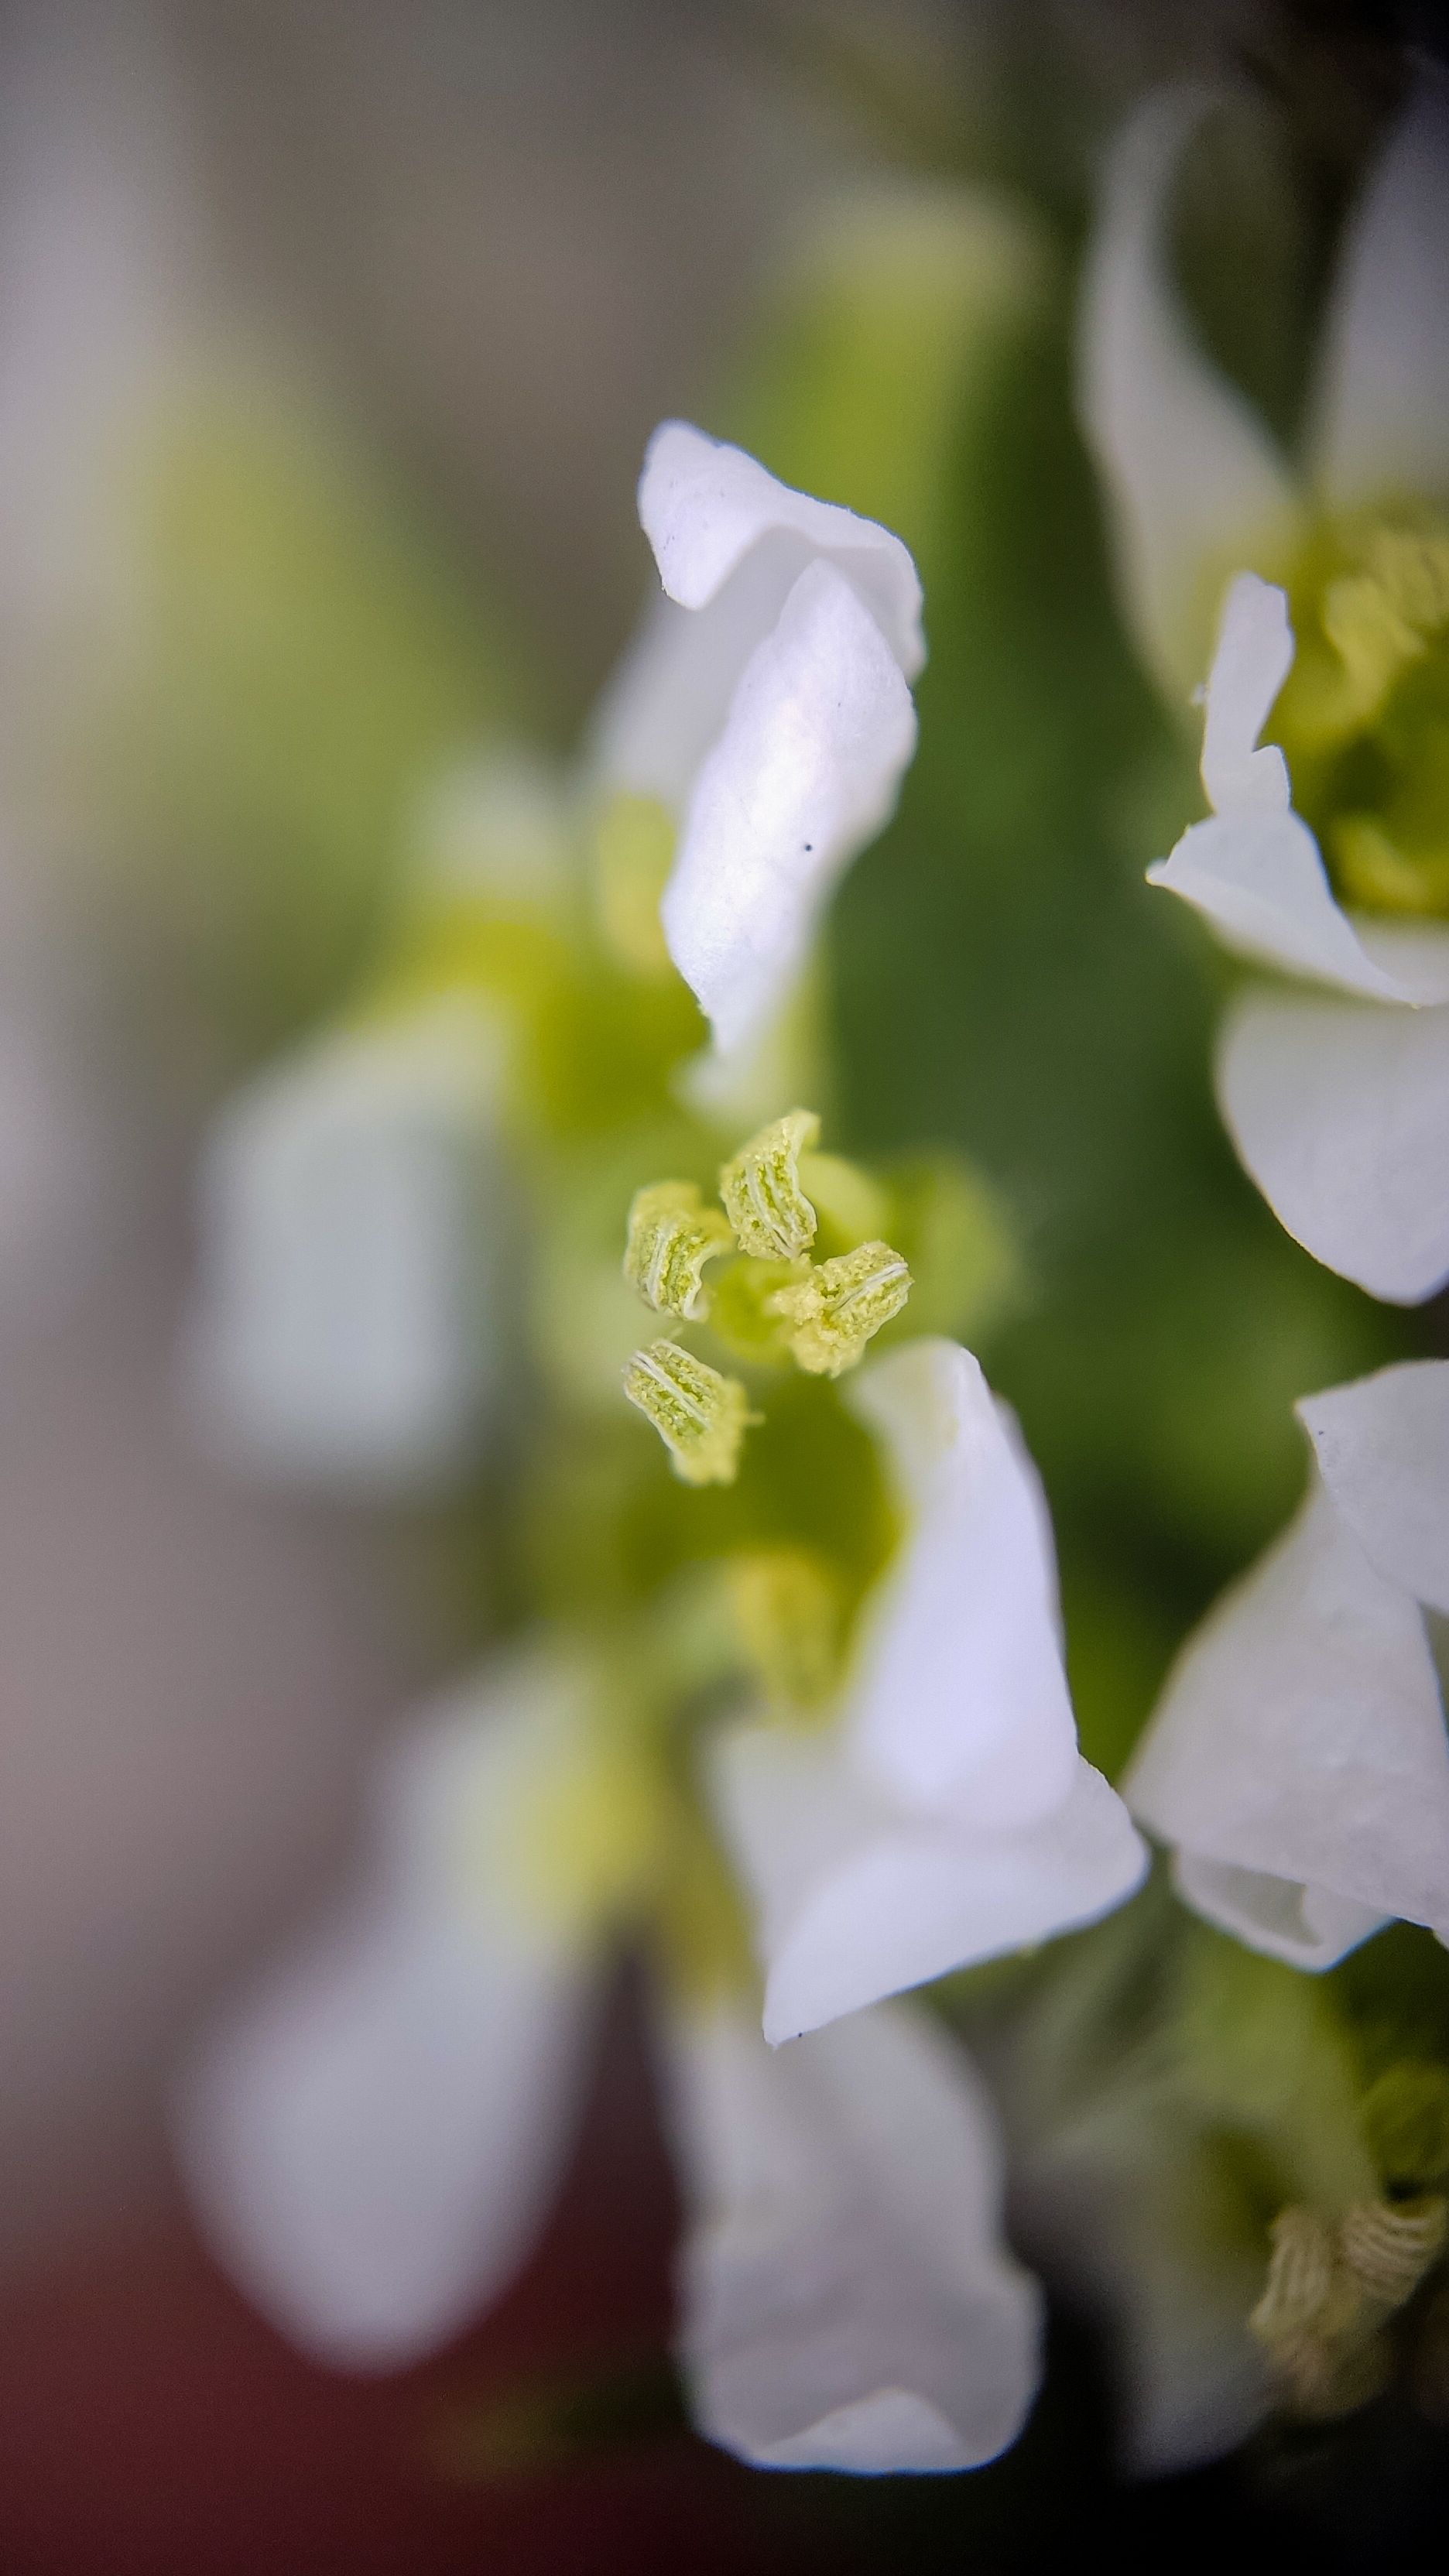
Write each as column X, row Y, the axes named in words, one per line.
column 859, row 1898
column 666, row 703
column 1298, row 1762
column 371, row 2138
column 342, row 1329
column 1382, row 404
column 1253, row 659
column 1383, row 1453
column 958, row 1704
column 806, row 772
column 1340, row 1111
column 848, row 2300
column 1195, row 482
column 704, row 505
column 1259, row 880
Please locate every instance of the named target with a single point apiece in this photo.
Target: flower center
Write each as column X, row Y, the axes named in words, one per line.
column 1363, row 716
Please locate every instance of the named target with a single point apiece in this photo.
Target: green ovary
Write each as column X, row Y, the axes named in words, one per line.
column 1364, row 714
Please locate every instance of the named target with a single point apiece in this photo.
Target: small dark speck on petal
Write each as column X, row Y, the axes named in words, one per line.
column 809, row 845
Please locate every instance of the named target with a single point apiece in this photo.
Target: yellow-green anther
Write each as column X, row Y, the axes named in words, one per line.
column 833, row 1312
column 761, row 1190
column 1300, row 2278
column 671, row 1237
column 699, row 1415
column 1388, row 2250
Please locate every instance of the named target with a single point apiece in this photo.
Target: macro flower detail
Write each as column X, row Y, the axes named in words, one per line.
column 1298, row 1766
column 1339, row 1107
column 671, row 1237
column 372, row 2139
column 699, row 1414
column 946, row 1814
column 777, row 1302
column 767, row 706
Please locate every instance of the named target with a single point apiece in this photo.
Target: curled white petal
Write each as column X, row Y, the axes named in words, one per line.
column 1340, row 1111
column 807, row 770
column 371, row 2137
column 958, row 1704
column 704, row 506
column 1194, row 480
column 1259, row 879
column 859, row 1898
column 1253, row 659
column 1298, row 1763
column 340, row 1330
column 1382, row 403
column 1382, row 1446
column 848, row 2301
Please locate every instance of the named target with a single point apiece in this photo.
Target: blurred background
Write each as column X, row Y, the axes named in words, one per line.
column 330, row 338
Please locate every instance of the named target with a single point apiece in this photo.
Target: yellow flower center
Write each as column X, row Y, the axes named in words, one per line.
column 1363, row 716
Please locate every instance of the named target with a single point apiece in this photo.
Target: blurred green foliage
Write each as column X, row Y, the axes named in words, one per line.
column 304, row 649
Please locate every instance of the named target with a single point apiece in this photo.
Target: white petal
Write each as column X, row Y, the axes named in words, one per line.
column 805, row 774
column 848, row 2300
column 1340, row 1111
column 1259, row 880
column 704, row 505
column 371, row 2141
column 1383, row 397
column 1414, row 953
column 1306, row 1925
column 1301, row 1741
column 1195, row 482
column 1253, row 659
column 958, row 1704
column 859, row 1899
column 666, row 703
column 1383, row 1453
column 371, row 2137
column 341, row 1329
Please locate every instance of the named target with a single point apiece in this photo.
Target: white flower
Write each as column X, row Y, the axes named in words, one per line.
column 947, row 1816
column 350, row 1210
column 372, row 2140
column 1298, row 1764
column 1339, row 1107
column 767, row 703
column 848, row 2303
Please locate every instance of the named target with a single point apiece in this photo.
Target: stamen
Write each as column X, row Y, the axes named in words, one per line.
column 1389, row 2250
column 835, row 1310
column 700, row 1416
column 761, row 1189
column 671, row 1237
column 1300, row 2278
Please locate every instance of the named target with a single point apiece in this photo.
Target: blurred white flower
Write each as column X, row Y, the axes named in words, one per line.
column 1298, row 1765
column 947, row 1816
column 1339, row 1109
column 346, row 1326
column 373, row 2138
column 767, row 705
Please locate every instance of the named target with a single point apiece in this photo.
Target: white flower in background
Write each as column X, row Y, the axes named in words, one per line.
column 345, row 1324
column 373, row 2138
column 1339, row 1106
column 767, row 706
column 1298, row 1765
column 351, row 1320
column 947, row 1815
